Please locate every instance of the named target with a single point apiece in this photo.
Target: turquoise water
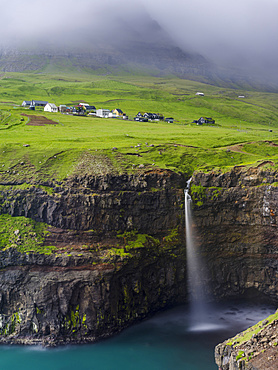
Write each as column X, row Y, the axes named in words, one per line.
column 164, row 342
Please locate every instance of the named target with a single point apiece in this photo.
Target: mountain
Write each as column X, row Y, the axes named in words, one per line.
column 121, row 44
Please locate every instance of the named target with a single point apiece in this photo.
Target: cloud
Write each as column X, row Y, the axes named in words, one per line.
column 235, row 33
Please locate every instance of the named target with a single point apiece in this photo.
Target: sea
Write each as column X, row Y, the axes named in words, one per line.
column 167, row 341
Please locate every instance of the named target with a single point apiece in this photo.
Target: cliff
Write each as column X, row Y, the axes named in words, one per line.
column 116, row 249
column 236, row 217
column 115, row 256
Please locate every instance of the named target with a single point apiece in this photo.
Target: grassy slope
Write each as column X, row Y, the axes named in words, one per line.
column 78, row 143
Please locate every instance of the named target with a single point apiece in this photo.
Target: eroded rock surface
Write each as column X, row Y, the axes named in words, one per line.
column 96, row 284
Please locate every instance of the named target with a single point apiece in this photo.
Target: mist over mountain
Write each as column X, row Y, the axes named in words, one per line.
column 112, row 36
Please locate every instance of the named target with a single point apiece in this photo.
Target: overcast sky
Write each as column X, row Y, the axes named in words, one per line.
column 229, row 31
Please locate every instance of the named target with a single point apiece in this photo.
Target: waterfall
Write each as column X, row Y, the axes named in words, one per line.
column 198, row 294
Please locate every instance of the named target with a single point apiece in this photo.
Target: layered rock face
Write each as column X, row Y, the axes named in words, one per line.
column 236, row 221
column 94, row 284
column 236, row 218
column 148, row 202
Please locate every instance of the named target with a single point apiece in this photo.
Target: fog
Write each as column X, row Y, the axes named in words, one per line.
column 238, row 33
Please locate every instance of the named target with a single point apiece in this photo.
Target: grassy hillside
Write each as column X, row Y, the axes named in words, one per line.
column 241, row 135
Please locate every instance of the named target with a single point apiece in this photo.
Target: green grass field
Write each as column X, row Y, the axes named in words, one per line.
column 241, row 135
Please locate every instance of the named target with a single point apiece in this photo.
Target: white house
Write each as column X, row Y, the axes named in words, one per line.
column 50, row 107
column 103, row 113
column 199, row 93
column 112, row 115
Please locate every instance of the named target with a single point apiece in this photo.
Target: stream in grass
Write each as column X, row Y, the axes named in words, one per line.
column 164, row 342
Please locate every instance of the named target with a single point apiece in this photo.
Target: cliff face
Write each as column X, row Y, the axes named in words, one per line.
column 95, row 283
column 64, row 299
column 236, row 220
column 148, row 202
column 236, row 216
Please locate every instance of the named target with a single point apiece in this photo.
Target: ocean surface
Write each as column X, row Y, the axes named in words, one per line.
column 168, row 341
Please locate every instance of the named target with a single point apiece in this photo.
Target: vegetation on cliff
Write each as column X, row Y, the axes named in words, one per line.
column 23, row 234
column 256, row 347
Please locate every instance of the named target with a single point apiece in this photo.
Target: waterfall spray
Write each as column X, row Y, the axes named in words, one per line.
column 198, row 296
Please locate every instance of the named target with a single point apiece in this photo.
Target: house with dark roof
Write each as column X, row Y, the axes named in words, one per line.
column 38, row 103
column 90, row 108
column 26, row 103
column 169, row 120
column 118, row 112
column 153, row 116
column 204, row 120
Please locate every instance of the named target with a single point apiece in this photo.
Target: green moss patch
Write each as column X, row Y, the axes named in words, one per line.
column 24, row 234
column 132, row 241
column 248, row 333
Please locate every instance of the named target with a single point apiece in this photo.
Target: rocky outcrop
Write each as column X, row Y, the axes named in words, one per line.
column 236, row 220
column 254, row 349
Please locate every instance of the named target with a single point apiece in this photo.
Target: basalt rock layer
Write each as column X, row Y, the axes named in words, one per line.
column 236, row 218
column 96, row 283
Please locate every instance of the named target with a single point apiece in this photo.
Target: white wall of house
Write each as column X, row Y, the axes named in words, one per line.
column 50, row 108
column 103, row 113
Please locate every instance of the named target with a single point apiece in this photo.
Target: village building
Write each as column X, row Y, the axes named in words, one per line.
column 90, row 108
column 38, row 103
column 26, row 103
column 50, row 107
column 169, row 120
column 112, row 115
column 118, row 112
column 63, row 108
column 103, row 113
column 149, row 116
column 204, row 120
